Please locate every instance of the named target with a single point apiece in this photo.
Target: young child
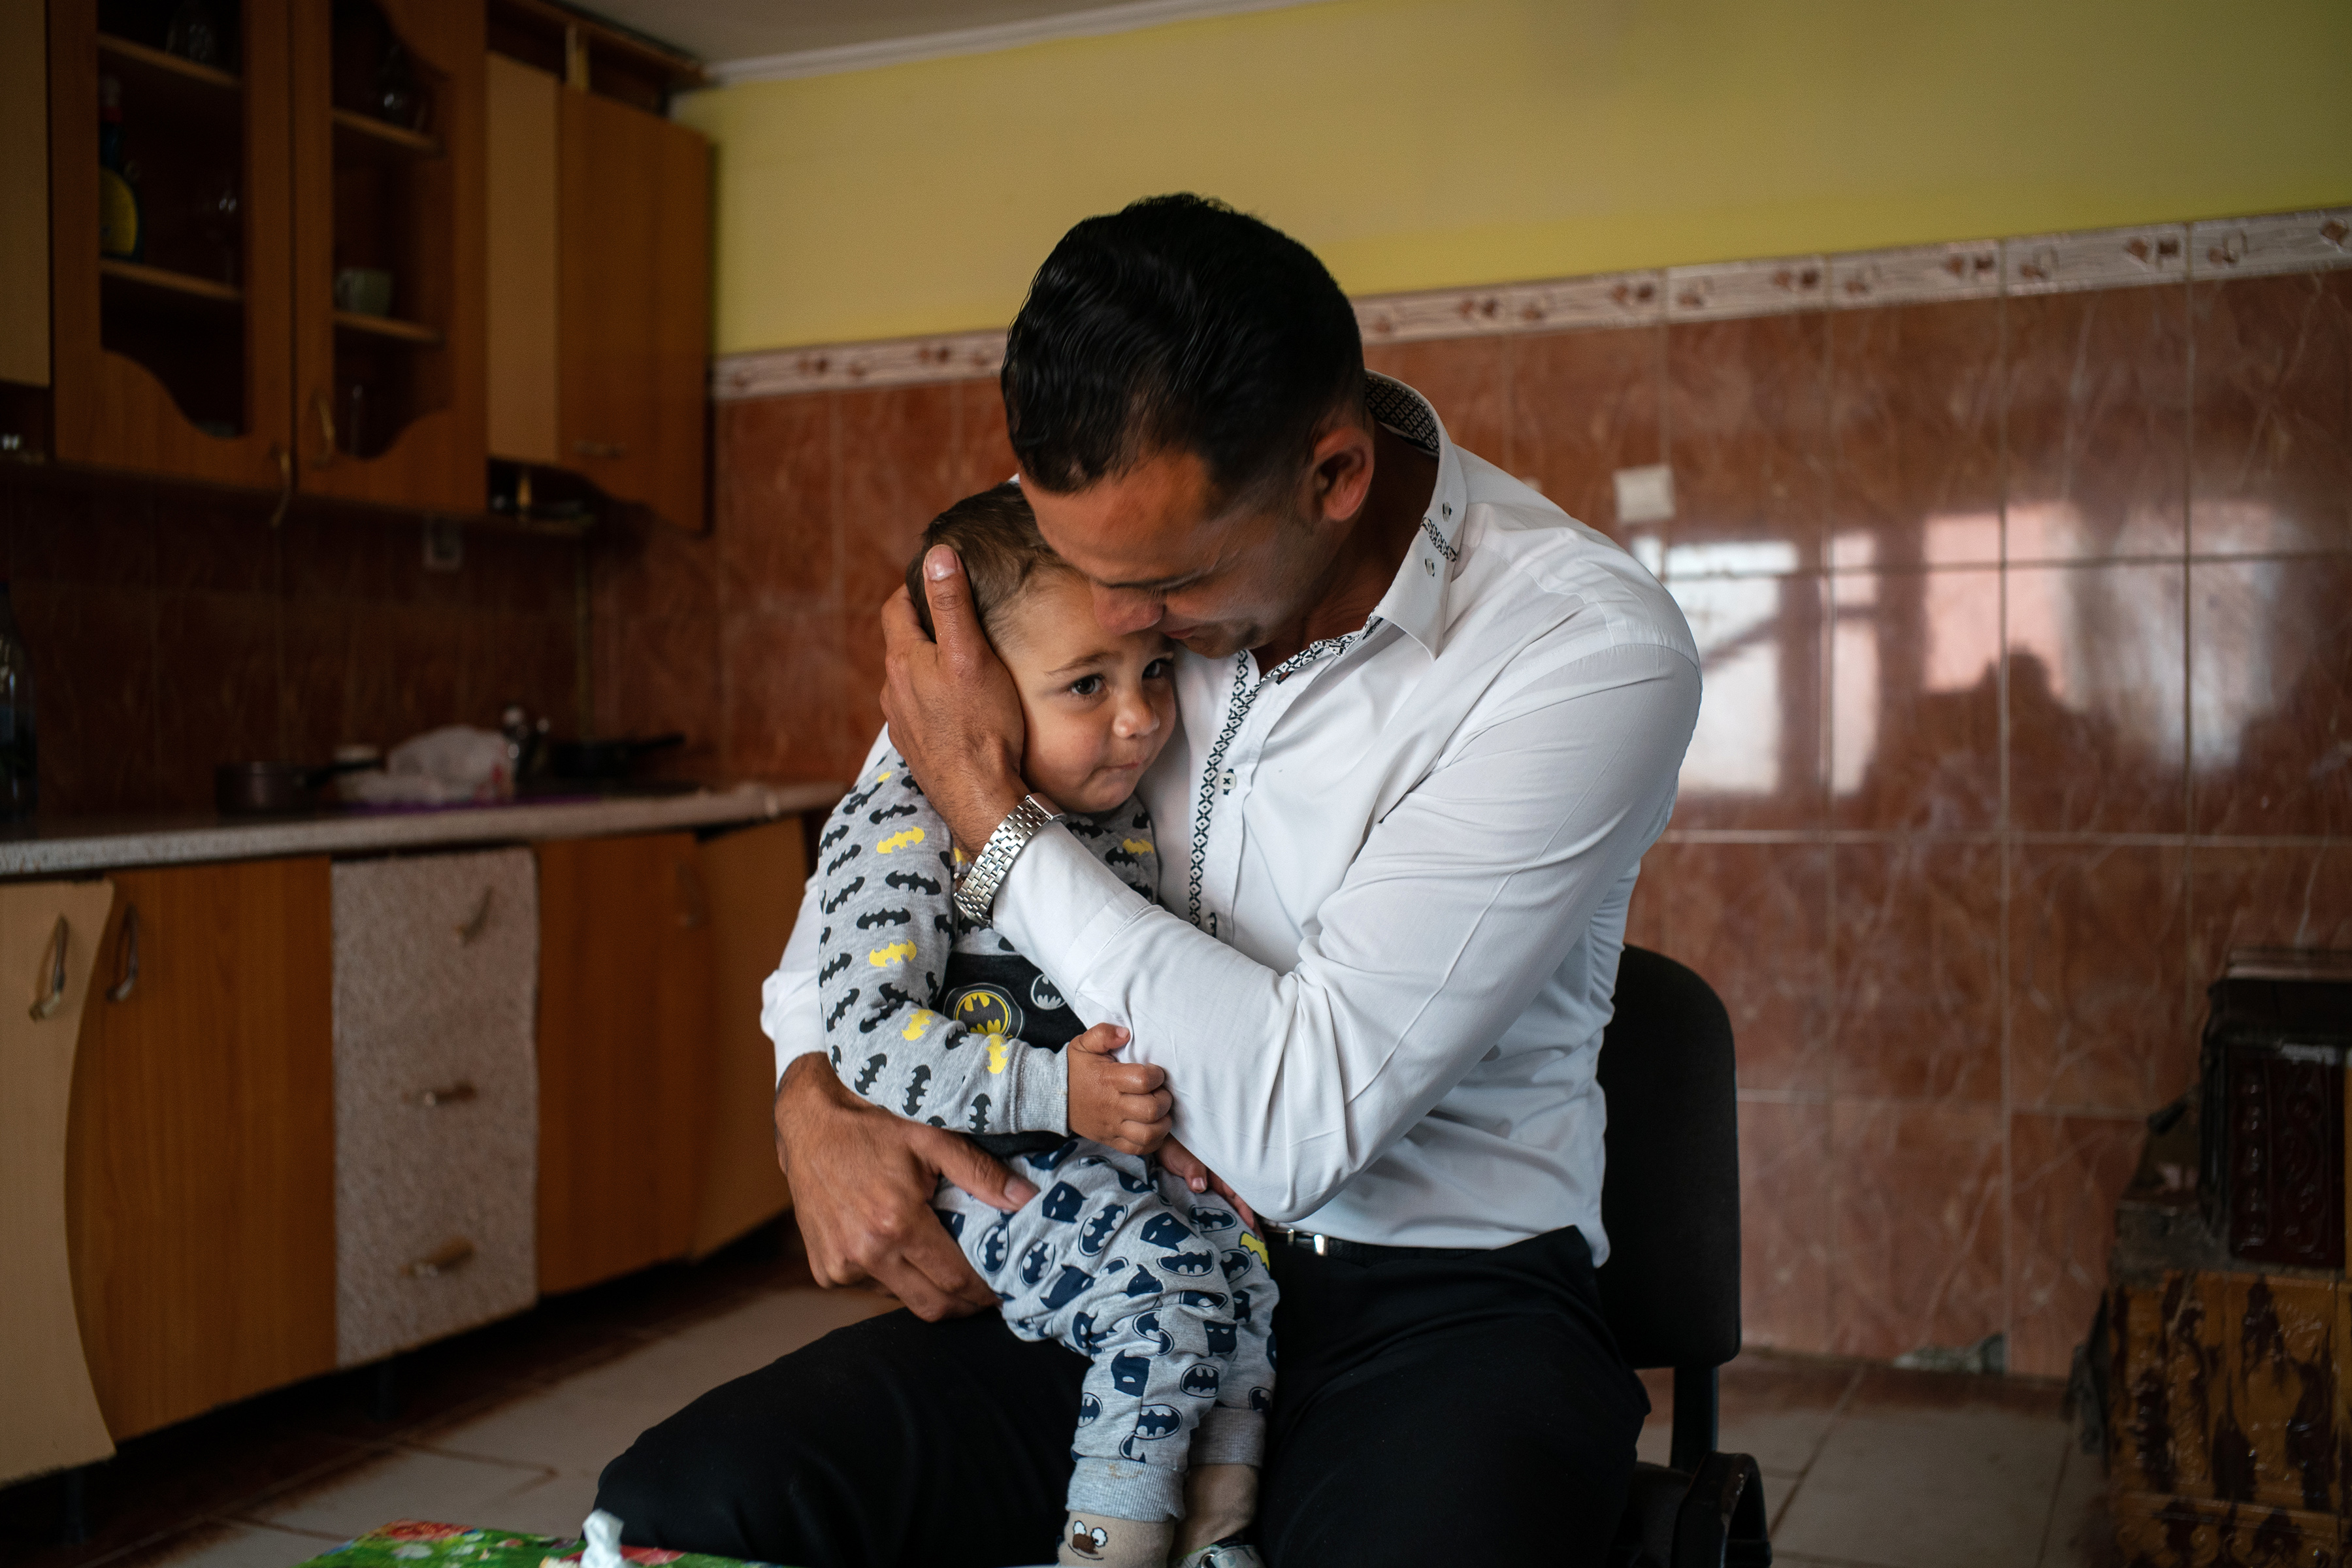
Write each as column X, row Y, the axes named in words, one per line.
column 926, row 1015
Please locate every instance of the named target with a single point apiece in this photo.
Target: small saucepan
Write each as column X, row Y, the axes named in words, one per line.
column 267, row 789
column 604, row 759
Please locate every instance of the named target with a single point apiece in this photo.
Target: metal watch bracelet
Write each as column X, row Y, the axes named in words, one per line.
column 975, row 896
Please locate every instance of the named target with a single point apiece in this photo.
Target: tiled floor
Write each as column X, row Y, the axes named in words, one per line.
column 1865, row 1467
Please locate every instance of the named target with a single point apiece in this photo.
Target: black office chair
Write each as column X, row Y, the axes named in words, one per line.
column 1670, row 1202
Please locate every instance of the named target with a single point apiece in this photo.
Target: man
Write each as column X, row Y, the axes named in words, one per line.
column 1429, row 726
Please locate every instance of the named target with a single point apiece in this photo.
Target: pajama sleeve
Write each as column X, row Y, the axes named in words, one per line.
column 888, row 926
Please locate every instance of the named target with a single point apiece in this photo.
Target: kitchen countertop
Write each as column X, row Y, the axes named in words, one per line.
column 73, row 844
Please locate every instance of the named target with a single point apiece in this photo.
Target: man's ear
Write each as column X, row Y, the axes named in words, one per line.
column 1341, row 465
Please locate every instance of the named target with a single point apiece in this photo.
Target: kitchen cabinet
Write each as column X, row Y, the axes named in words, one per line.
column 632, row 299
column 201, row 1168
column 49, row 940
column 753, row 879
column 600, row 262
column 436, row 1097
column 625, row 966
column 310, row 137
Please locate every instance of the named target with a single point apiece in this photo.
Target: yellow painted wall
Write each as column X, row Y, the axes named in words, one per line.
column 1424, row 144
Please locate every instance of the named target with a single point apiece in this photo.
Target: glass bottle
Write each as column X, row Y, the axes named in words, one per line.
column 18, row 775
column 121, row 231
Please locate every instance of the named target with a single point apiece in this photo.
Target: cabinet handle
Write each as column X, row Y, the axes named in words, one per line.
column 457, row 1093
column 127, row 977
column 54, row 961
column 285, row 461
column 693, row 909
column 600, row 448
column 326, row 412
column 472, row 925
column 451, row 1255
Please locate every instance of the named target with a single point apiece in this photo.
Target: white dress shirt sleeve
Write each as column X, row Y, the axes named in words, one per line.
column 1463, row 901
column 788, row 1010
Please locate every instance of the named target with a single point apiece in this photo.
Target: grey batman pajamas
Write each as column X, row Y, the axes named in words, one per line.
column 931, row 1018
column 1165, row 1293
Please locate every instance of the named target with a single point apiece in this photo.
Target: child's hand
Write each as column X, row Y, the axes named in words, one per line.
column 1124, row 1105
column 1186, row 1166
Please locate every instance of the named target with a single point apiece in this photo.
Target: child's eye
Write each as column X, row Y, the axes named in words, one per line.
column 1086, row 686
column 1159, row 669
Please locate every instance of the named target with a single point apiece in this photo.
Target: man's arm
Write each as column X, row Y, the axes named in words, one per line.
column 1463, row 901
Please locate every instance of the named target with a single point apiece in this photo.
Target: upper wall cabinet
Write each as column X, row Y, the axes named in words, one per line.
column 389, row 350
column 600, row 297
column 170, row 214
column 267, row 250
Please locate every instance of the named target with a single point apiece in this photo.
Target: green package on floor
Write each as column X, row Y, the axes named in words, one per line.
column 413, row 1543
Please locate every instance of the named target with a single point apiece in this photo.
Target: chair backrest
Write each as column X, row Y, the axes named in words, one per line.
column 1670, row 1200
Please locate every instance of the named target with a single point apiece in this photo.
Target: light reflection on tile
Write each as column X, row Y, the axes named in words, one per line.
column 2271, row 695
column 1755, row 759
column 2096, row 709
column 1914, row 699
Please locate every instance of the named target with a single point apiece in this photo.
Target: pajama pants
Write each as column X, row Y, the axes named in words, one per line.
column 1163, row 1292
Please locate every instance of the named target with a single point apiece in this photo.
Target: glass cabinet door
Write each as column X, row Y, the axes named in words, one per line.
column 391, row 389
column 169, row 211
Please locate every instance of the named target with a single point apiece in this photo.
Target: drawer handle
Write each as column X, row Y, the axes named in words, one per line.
column 473, row 924
column 451, row 1257
column 457, row 1093
column 600, row 448
column 54, row 961
column 127, row 977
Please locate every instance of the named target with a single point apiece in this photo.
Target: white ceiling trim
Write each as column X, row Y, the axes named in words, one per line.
column 1089, row 24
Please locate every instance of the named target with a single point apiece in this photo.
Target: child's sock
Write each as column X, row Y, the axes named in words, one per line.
column 1219, row 1499
column 1105, row 1542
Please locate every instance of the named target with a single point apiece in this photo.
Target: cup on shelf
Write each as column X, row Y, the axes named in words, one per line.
column 363, row 290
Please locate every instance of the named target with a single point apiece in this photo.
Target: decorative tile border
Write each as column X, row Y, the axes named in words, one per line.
column 1979, row 269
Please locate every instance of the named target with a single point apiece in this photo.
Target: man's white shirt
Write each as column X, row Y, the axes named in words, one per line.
column 1394, row 874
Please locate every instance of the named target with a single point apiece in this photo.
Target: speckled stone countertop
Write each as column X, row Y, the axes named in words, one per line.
column 69, row 846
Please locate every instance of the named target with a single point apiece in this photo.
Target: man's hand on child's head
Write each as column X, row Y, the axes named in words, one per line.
column 1124, row 1105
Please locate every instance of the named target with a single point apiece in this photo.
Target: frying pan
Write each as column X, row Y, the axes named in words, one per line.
column 603, row 759
column 262, row 789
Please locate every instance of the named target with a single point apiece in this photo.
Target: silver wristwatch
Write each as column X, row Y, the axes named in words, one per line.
column 975, row 895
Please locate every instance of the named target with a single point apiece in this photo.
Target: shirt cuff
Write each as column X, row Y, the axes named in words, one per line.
column 1041, row 1090
column 1060, row 908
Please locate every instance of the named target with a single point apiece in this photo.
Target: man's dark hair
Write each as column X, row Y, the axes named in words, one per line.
column 1178, row 323
column 995, row 535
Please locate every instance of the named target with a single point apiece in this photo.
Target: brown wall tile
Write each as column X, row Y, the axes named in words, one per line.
column 1583, row 405
column 2271, row 896
column 899, row 469
column 1915, row 418
column 1915, row 699
column 2273, row 465
column 2097, row 423
column 2270, row 712
column 1753, row 920
column 1784, row 1225
column 1917, row 1233
column 2066, row 1173
column 1918, row 971
column 2097, row 936
column 1748, row 432
column 787, row 686
column 983, row 454
column 778, row 504
column 95, row 696
column 1756, row 758
column 2095, row 730
column 216, row 690
column 1467, row 380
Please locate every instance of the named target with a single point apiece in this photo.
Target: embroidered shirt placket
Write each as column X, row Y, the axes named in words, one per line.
column 1218, row 774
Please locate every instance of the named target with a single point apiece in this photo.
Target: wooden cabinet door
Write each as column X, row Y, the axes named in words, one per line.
column 634, row 298
column 754, row 879
column 48, row 937
column 390, row 407
column 624, row 982
column 201, row 1166
column 179, row 362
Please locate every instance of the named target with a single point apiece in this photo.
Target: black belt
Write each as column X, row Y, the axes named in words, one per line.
column 1364, row 1251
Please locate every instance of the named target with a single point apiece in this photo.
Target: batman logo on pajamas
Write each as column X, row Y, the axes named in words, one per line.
column 1159, row 1289
column 1182, row 1372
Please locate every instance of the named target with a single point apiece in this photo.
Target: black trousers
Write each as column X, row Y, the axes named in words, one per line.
column 1436, row 1410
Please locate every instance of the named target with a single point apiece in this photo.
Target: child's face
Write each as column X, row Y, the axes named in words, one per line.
column 1098, row 707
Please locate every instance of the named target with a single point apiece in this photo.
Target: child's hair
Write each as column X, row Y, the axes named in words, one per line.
column 995, row 533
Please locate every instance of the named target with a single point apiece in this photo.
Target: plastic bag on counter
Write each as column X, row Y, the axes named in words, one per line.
column 451, row 767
